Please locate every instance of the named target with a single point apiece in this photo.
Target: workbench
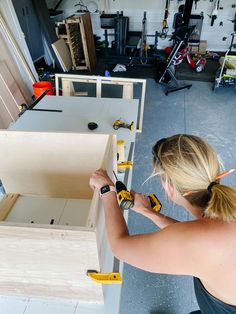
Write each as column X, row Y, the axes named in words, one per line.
column 74, row 117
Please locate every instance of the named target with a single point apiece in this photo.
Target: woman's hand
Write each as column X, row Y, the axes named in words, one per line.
column 142, row 203
column 99, row 179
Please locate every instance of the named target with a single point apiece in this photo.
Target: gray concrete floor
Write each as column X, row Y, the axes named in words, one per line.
column 197, row 111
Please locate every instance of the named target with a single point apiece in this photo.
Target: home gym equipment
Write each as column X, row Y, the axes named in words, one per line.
column 165, row 27
column 166, row 68
column 126, row 43
column 213, row 15
column 226, row 74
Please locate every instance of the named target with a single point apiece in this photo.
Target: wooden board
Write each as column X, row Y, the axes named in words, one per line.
column 5, row 56
column 50, row 211
column 50, row 164
column 11, row 85
column 63, row 54
column 5, row 117
column 88, row 40
column 67, row 88
column 10, row 97
column 14, row 45
column 48, row 263
column 6, row 205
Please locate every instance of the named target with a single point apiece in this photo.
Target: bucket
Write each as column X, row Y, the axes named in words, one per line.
column 40, row 87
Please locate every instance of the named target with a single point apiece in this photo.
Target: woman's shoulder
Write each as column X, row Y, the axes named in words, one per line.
column 204, row 234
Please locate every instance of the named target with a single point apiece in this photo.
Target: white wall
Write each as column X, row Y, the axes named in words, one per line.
column 155, row 13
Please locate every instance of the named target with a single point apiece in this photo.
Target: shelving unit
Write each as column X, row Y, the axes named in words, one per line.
column 78, row 34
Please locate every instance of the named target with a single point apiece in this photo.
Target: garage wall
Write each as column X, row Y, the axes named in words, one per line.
column 155, row 13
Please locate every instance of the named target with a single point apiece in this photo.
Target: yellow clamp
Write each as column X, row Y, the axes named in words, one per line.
column 125, row 164
column 105, row 278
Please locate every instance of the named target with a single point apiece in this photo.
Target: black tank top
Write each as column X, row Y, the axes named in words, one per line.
column 208, row 304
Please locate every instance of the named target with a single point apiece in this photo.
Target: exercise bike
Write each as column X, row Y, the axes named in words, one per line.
column 166, row 68
column 226, row 74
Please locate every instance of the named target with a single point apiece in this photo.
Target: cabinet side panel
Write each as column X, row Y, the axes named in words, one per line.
column 50, row 164
column 106, row 258
column 48, row 263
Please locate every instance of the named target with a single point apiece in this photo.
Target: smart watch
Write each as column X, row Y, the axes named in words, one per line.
column 107, row 189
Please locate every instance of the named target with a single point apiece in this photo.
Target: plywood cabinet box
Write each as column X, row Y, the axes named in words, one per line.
column 52, row 225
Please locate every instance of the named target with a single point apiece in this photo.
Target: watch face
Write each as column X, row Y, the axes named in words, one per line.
column 105, row 189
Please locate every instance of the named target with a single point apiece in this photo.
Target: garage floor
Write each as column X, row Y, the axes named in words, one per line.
column 197, row 111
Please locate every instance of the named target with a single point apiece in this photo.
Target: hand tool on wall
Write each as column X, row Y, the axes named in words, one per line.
column 195, row 2
column 120, row 124
column 234, row 21
column 165, row 27
column 126, row 200
column 214, row 12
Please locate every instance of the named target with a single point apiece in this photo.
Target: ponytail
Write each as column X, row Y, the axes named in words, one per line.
column 222, row 203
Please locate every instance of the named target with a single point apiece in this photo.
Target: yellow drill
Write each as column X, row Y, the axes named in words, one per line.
column 126, row 200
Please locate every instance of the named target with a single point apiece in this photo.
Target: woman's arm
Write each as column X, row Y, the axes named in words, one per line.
column 114, row 220
column 166, row 251
column 160, row 220
column 142, row 206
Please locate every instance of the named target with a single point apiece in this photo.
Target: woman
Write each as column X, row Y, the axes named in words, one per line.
column 205, row 247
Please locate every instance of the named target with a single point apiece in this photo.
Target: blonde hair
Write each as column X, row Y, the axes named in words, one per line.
column 189, row 163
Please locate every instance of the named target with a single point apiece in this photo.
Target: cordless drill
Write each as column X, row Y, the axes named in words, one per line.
column 126, row 200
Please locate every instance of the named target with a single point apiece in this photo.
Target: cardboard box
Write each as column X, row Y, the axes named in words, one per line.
column 202, row 46
column 194, row 49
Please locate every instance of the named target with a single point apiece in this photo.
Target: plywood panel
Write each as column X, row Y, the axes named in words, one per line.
column 67, row 88
column 48, row 263
column 50, row 164
column 11, row 85
column 6, row 204
column 37, row 210
column 63, row 54
column 10, row 97
column 102, row 240
column 9, row 101
column 88, row 40
column 6, row 57
column 128, row 91
column 45, row 210
column 75, row 213
column 5, row 117
column 20, row 63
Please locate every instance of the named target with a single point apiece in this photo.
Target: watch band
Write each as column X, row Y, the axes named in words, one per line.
column 107, row 189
